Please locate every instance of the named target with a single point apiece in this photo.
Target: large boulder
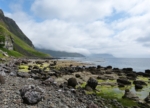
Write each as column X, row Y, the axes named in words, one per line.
column 32, row 94
column 92, row 83
column 72, row 82
column 130, row 95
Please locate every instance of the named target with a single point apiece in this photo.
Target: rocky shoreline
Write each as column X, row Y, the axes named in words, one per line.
column 44, row 83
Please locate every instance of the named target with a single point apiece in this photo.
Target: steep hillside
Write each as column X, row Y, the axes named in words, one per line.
column 60, row 53
column 12, row 43
column 13, row 28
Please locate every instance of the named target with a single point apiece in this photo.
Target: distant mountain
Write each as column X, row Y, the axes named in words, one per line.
column 105, row 55
column 60, row 53
column 14, row 41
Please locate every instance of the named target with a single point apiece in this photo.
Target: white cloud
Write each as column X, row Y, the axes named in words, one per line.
column 79, row 26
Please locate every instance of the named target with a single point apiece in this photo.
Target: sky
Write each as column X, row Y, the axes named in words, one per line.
column 117, row 27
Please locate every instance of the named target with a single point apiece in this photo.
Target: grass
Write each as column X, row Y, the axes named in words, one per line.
column 22, row 44
column 12, row 52
column 1, row 55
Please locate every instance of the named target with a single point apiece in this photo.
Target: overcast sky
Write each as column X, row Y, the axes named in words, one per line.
column 118, row 27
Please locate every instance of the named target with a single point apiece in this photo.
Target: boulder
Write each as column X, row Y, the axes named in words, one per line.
column 131, row 76
column 92, row 83
column 127, row 69
column 35, row 67
column 138, row 86
column 124, row 81
column 77, row 75
column 139, row 82
column 72, row 82
column 147, row 71
column 130, row 95
column 32, row 94
column 120, row 85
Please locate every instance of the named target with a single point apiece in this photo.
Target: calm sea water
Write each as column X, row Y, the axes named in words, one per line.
column 138, row 64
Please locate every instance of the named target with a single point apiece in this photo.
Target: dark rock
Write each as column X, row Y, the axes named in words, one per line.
column 31, row 94
column 98, row 66
column 147, row 71
column 121, row 85
column 92, row 83
column 109, row 67
column 139, row 82
column 77, row 75
column 38, row 62
column 35, row 67
column 124, row 81
column 24, row 62
column 131, row 76
column 127, row 69
column 146, row 75
column 138, row 86
column 17, row 63
column 108, row 72
column 72, row 82
column 140, row 73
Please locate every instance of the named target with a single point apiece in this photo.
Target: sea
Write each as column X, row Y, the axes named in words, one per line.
column 138, row 64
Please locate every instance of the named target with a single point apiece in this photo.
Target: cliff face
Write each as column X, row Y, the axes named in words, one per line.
column 13, row 28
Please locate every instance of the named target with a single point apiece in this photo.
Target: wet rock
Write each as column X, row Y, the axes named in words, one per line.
column 31, row 94
column 72, row 82
column 130, row 95
column 92, row 83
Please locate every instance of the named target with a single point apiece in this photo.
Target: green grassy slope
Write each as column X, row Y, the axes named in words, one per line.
column 21, row 46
